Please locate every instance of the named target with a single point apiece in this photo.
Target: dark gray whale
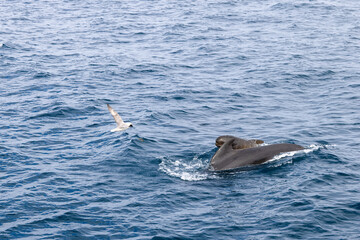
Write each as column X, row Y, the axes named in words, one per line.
column 229, row 156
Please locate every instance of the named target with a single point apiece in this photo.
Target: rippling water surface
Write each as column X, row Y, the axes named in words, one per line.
column 183, row 72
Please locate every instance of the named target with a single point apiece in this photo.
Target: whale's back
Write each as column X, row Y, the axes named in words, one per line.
column 227, row 158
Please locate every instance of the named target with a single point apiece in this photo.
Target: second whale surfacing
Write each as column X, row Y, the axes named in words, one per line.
column 235, row 152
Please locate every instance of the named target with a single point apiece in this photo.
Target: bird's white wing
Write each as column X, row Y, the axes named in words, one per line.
column 116, row 116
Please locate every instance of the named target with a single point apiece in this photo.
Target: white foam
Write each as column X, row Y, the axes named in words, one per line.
column 312, row 148
column 188, row 171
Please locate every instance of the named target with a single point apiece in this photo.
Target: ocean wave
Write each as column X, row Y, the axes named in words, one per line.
column 65, row 112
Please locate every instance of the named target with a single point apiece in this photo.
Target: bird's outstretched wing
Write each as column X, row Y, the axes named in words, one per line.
column 118, row 120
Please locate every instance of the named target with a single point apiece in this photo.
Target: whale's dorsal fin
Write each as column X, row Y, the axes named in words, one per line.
column 221, row 153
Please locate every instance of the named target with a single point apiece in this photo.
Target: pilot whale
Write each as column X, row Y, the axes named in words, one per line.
column 235, row 152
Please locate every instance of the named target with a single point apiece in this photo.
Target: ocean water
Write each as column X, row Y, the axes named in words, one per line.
column 184, row 73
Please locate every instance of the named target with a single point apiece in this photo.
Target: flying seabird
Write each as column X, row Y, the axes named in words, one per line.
column 121, row 125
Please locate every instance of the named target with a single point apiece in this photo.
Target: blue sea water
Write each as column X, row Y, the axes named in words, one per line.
column 184, row 73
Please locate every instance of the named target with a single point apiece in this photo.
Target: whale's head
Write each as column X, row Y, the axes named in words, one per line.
column 222, row 139
column 238, row 143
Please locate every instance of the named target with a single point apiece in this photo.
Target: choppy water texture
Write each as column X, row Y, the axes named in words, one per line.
column 183, row 72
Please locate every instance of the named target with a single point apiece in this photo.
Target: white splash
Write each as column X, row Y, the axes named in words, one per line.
column 188, row 171
column 313, row 147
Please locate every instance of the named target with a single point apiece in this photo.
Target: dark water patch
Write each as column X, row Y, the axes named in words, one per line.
column 66, row 112
column 149, row 68
column 329, row 157
column 326, row 73
column 42, row 75
column 59, row 181
column 36, row 177
column 104, row 141
column 46, row 145
column 355, row 206
column 303, row 205
column 160, row 117
column 12, row 158
column 58, row 112
column 41, row 87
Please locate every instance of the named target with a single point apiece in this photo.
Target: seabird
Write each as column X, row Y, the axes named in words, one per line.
column 121, row 125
